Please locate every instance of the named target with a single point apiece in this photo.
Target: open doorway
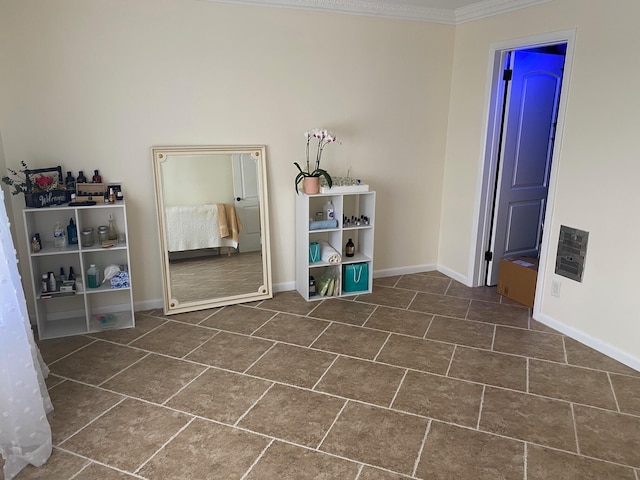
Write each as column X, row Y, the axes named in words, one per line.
column 525, row 107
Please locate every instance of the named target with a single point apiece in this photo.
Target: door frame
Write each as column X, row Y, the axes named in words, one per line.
column 485, row 190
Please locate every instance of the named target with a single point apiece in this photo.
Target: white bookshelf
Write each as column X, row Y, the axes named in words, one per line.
column 90, row 309
column 349, row 204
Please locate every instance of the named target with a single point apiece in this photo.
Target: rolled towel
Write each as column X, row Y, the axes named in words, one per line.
column 323, row 224
column 329, row 254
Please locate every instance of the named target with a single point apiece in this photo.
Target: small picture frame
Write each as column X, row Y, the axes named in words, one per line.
column 44, row 180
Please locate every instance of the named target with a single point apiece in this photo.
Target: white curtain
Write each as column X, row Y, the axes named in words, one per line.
column 25, row 435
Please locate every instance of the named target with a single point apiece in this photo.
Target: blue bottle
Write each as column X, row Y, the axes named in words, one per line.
column 72, row 232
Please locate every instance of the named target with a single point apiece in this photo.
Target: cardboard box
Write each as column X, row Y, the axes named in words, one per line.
column 517, row 278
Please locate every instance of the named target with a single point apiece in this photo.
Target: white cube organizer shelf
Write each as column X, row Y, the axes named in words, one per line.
column 348, row 204
column 84, row 310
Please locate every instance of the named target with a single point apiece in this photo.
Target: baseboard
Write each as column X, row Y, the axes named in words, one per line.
column 391, row 272
column 455, row 275
column 148, row 305
column 284, row 287
column 589, row 341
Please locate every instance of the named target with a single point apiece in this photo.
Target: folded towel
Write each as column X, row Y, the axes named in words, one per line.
column 323, row 224
column 329, row 254
column 228, row 221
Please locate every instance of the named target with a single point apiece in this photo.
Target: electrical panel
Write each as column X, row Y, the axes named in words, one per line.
column 572, row 250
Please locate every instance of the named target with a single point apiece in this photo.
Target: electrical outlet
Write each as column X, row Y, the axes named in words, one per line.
column 555, row 288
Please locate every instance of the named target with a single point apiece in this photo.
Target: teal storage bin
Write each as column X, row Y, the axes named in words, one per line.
column 314, row 252
column 355, row 277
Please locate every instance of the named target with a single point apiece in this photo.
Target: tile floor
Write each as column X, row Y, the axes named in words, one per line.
column 423, row 379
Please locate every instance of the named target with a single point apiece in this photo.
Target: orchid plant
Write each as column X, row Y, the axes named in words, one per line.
column 324, row 138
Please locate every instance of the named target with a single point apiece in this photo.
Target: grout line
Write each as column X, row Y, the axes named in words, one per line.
column 398, row 389
column 165, row 444
column 375, row 358
column 446, row 290
column 341, row 398
column 453, row 354
column 564, row 349
column 210, row 315
column 637, row 475
column 317, row 305
column 257, row 359
column 613, row 390
column 84, row 467
column 424, row 441
column 164, row 322
column 326, row 434
column 428, row 327
column 196, row 348
column 370, row 315
column 575, row 428
column 527, row 375
column 329, row 323
column 94, row 340
column 205, row 370
column 324, row 373
column 91, row 461
column 415, row 295
column 261, row 325
column 124, row 369
column 466, row 315
column 258, row 458
column 526, row 460
column 360, row 469
column 94, row 419
column 235, row 424
column 484, row 389
column 493, row 338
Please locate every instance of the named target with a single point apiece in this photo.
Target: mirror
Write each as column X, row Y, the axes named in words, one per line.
column 213, row 224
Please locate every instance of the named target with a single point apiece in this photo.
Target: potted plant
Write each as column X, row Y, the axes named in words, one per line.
column 310, row 177
column 19, row 184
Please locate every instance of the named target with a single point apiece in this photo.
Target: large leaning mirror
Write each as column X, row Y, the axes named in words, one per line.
column 213, row 224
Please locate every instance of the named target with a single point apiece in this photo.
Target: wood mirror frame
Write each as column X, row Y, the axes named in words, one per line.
column 213, row 223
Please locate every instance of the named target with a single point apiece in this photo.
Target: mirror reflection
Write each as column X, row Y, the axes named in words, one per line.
column 212, row 215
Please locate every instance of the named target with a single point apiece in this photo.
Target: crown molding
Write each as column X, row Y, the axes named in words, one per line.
column 487, row 8
column 399, row 10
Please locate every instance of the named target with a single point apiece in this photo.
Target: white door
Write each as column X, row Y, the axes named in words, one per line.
column 525, row 162
column 247, row 202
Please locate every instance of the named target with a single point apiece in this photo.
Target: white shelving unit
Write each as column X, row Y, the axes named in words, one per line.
column 349, row 204
column 92, row 309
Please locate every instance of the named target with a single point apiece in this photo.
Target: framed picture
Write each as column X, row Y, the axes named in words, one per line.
column 44, row 180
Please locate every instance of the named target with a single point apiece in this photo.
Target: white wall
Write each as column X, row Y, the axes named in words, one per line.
column 598, row 164
column 95, row 83
column 197, row 179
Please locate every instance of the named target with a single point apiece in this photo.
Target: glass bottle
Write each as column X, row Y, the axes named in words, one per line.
column 72, row 275
column 350, row 249
column 113, row 229
column 96, row 177
column 59, row 237
column 45, row 283
column 70, row 182
column 63, row 277
column 72, row 232
column 81, row 178
column 35, row 245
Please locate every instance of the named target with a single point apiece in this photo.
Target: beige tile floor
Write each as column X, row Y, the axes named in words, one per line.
column 424, row 379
